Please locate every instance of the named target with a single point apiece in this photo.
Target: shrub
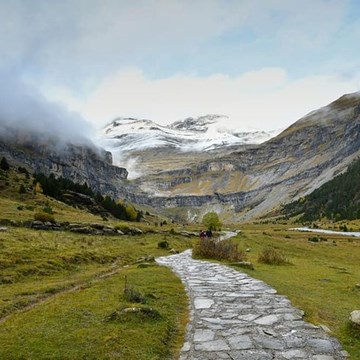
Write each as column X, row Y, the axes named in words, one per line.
column 163, row 244
column 219, row 250
column 313, row 239
column 22, row 189
column 4, row 165
column 134, row 296
column 48, row 210
column 271, row 256
column 44, row 217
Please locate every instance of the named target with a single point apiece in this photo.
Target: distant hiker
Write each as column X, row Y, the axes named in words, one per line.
column 209, row 234
column 202, row 234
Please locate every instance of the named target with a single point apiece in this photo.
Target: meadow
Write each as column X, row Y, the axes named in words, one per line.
column 67, row 296
column 320, row 277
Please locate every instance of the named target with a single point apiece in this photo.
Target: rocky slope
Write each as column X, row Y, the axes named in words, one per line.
column 256, row 180
column 81, row 163
column 143, row 146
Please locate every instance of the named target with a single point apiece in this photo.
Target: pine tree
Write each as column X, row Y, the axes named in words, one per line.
column 4, row 165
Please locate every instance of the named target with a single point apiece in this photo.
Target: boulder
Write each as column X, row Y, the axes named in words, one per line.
column 135, row 231
column 355, row 317
column 3, row 228
column 83, row 230
column 97, row 226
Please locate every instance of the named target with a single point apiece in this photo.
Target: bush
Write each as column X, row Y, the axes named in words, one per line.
column 22, row 189
column 219, row 250
column 4, row 165
column 313, row 239
column 48, row 210
column 44, row 217
column 134, row 296
column 271, row 256
column 163, row 244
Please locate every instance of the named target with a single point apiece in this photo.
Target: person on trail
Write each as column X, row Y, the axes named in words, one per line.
column 202, row 234
column 209, row 234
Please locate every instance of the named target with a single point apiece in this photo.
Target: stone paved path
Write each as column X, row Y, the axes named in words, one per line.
column 233, row 316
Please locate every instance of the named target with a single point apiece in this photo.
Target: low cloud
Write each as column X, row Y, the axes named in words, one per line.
column 24, row 110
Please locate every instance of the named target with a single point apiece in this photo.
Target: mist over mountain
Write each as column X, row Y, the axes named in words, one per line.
column 25, row 113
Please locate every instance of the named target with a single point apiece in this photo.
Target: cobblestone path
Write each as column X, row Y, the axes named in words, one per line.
column 233, row 316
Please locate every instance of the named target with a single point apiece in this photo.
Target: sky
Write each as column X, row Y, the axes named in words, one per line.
column 263, row 63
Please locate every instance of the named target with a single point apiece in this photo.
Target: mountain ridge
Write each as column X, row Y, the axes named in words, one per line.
column 256, row 180
column 242, row 182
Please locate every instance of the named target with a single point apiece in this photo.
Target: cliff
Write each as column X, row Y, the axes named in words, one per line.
column 80, row 163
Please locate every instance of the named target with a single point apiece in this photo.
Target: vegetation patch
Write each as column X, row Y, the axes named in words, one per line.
column 97, row 322
column 315, row 282
column 272, row 256
column 218, row 250
column 337, row 199
column 129, row 314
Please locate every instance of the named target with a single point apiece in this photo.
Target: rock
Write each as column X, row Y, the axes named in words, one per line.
column 173, row 251
column 3, row 229
column 248, row 250
column 357, row 286
column 321, row 345
column 74, row 226
column 83, row 230
column 267, row 320
column 97, row 226
column 189, row 233
column 144, row 265
column 136, row 231
column 119, row 232
column 326, row 329
column 107, row 231
column 149, row 258
column 355, row 317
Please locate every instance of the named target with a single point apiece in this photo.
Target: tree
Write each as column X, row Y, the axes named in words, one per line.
column 131, row 213
column 211, row 221
column 4, row 165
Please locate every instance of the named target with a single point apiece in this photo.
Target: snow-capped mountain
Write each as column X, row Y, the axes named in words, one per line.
column 204, row 133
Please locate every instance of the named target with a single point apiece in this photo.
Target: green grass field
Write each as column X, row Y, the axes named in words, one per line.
column 62, row 294
column 57, row 288
column 321, row 279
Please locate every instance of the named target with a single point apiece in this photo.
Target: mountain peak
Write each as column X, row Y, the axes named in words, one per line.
column 199, row 124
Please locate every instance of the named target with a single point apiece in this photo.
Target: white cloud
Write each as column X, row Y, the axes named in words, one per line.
column 264, row 99
column 69, row 40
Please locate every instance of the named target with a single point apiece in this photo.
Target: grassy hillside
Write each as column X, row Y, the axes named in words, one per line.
column 338, row 199
column 62, row 295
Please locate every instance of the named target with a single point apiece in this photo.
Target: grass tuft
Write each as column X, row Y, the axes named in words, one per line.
column 272, row 256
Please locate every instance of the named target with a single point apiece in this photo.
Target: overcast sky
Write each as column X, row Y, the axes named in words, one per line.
column 264, row 63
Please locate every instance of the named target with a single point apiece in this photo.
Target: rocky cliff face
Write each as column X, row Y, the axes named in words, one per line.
column 81, row 163
column 257, row 179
